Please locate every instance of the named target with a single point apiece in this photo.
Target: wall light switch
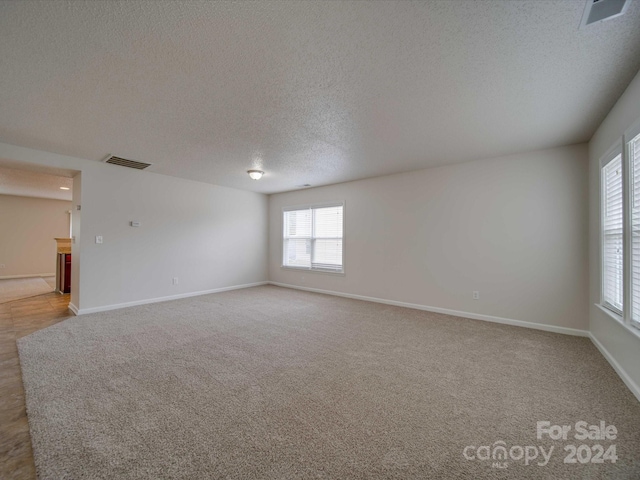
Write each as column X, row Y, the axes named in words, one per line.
column 99, row 239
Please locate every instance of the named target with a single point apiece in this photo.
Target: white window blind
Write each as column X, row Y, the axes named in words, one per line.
column 612, row 224
column 634, row 164
column 313, row 238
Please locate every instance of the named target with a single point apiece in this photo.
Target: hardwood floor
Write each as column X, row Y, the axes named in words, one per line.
column 17, row 319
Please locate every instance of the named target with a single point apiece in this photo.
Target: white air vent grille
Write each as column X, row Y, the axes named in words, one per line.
column 123, row 162
column 599, row 10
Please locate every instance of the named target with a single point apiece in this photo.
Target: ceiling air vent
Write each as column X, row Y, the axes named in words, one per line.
column 599, row 10
column 123, row 162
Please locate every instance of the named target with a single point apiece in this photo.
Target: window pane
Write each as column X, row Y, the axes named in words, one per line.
column 327, row 253
column 634, row 164
column 612, row 233
column 297, row 252
column 297, row 223
column 328, row 222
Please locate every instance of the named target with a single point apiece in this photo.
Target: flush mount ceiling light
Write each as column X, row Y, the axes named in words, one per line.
column 255, row 174
column 64, row 188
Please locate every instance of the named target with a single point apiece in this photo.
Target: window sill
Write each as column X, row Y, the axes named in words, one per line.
column 618, row 318
column 309, row 270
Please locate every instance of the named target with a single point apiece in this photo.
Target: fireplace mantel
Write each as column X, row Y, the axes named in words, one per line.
column 64, row 245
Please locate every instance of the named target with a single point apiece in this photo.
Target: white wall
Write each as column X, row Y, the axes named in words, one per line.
column 28, row 227
column 76, row 235
column 513, row 228
column 622, row 345
column 209, row 237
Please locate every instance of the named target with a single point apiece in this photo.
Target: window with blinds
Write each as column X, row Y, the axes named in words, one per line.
column 633, row 152
column 612, row 235
column 313, row 238
column 620, row 228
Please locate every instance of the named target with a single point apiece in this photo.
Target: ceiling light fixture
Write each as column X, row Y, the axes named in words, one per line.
column 255, row 174
column 64, row 188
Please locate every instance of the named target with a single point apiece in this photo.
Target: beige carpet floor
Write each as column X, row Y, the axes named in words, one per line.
column 271, row 383
column 12, row 289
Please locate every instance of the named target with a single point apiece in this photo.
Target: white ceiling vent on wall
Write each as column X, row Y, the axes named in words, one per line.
column 598, row 10
column 123, row 162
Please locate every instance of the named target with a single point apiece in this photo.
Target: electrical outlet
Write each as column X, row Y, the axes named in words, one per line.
column 175, row 280
column 476, row 295
column 98, row 238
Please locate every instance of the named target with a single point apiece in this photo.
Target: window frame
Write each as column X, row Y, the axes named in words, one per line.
column 607, row 158
column 312, row 206
column 629, row 135
column 620, row 147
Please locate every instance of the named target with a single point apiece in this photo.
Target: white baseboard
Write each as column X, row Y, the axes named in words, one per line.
column 628, row 381
column 474, row 316
column 635, row 389
column 83, row 311
column 33, row 275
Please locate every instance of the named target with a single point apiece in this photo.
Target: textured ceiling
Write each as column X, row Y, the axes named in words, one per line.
column 311, row 92
column 26, row 183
